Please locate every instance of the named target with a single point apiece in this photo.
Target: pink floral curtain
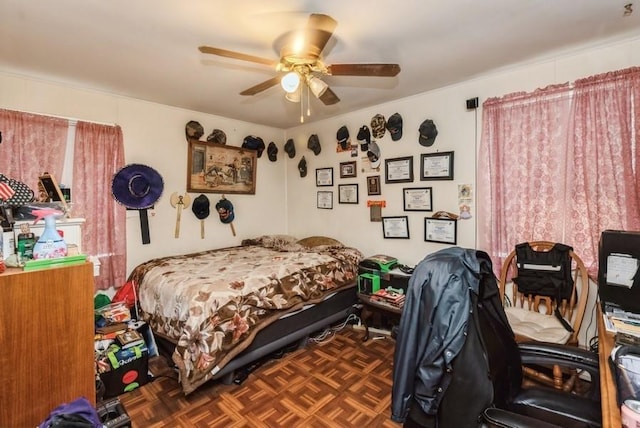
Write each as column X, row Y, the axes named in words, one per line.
column 521, row 170
column 606, row 166
column 31, row 144
column 98, row 155
column 560, row 164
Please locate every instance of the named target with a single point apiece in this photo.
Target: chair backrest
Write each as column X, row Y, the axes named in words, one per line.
column 572, row 309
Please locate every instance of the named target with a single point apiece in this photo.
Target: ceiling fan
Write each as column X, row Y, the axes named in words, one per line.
column 301, row 61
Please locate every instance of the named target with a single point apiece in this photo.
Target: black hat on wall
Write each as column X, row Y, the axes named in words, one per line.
column 314, row 144
column 394, row 125
column 302, row 167
column 343, row 137
column 364, row 137
column 272, row 152
column 428, row 133
column 290, row 148
column 225, row 211
column 252, row 142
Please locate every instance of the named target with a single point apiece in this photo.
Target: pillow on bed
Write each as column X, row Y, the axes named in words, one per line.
column 317, row 241
column 271, row 241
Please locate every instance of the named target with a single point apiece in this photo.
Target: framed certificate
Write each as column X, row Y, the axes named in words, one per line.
column 399, row 170
column 325, row 200
column 417, row 199
column 441, row 230
column 324, row 177
column 436, row 166
column 395, row 227
column 348, row 193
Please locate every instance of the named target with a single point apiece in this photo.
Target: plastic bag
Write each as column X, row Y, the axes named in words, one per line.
column 126, row 294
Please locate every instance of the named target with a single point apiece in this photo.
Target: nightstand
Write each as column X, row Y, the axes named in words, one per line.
column 394, row 278
column 370, row 307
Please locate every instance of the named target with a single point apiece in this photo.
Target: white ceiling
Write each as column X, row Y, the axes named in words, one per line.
column 147, row 49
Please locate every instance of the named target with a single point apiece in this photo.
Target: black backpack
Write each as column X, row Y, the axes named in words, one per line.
column 545, row 273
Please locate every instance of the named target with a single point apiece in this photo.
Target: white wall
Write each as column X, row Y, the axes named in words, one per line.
column 458, row 130
column 154, row 135
column 286, row 203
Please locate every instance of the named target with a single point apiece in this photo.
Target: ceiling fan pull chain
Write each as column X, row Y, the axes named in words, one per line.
column 308, row 102
column 301, row 106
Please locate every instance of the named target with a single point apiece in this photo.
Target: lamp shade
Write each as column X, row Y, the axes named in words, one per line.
column 294, row 96
column 317, row 86
column 290, row 82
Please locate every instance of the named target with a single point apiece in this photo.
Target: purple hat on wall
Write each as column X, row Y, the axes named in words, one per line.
column 137, row 186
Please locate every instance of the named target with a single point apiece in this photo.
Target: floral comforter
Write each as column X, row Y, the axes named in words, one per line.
column 212, row 303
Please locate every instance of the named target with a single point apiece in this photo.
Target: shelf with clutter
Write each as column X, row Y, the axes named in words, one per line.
column 123, row 344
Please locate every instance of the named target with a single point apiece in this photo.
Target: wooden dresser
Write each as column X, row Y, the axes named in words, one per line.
column 46, row 332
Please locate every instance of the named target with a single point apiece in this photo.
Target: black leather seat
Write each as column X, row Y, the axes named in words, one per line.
column 484, row 383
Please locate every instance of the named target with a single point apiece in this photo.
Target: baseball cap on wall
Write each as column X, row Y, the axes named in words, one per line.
column 302, row 167
column 217, row 136
column 225, row 211
column 394, row 125
column 193, row 130
column 272, row 152
column 343, row 137
column 252, row 142
column 364, row 137
column 314, row 144
column 290, row 148
column 374, row 154
column 428, row 133
column 378, row 126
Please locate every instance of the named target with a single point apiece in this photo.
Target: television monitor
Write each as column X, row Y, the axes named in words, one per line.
column 619, row 269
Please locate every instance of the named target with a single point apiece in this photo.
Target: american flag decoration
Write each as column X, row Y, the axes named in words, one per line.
column 6, row 191
column 14, row 193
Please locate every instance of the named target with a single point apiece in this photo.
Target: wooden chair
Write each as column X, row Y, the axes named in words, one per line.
column 532, row 317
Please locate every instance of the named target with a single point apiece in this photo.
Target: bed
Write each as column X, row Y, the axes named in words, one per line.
column 225, row 308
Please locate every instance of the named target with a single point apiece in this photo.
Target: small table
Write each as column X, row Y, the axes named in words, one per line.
column 369, row 307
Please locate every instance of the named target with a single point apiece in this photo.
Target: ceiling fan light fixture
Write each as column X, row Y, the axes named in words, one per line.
column 317, row 86
column 294, row 96
column 290, row 82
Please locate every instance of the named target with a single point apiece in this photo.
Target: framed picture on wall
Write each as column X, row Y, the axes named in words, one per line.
column 417, row 199
column 442, row 230
column 348, row 169
column 436, row 166
column 325, row 200
column 218, row 168
column 399, row 170
column 324, row 177
column 348, row 193
column 395, row 227
column 373, row 185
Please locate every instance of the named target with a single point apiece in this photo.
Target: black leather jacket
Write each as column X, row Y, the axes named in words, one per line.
column 425, row 348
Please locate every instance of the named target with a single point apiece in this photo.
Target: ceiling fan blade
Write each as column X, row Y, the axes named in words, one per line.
column 329, row 97
column 320, row 28
column 381, row 70
column 237, row 55
column 262, row 86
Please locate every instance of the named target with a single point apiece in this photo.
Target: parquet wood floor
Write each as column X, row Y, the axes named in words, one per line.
column 341, row 383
